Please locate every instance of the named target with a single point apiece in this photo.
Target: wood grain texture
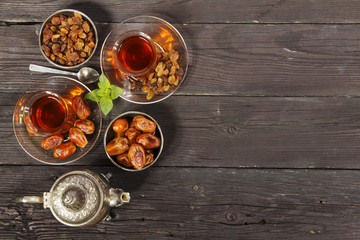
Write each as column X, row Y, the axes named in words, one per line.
column 199, row 11
column 261, row 140
column 244, row 132
column 250, row 60
column 190, row 203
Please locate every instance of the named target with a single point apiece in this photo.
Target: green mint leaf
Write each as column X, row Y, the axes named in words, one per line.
column 103, row 82
column 101, row 92
column 93, row 96
column 106, row 104
column 104, row 94
column 116, row 92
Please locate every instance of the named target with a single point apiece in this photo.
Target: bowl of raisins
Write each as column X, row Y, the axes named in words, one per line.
column 68, row 38
column 133, row 141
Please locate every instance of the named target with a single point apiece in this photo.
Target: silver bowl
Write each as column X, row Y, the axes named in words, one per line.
column 68, row 12
column 110, row 134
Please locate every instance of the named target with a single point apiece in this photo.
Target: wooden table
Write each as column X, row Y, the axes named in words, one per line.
column 261, row 140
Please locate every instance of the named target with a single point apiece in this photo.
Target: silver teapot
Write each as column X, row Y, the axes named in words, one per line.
column 80, row 198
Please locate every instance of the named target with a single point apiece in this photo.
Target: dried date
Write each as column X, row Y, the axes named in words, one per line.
column 81, row 107
column 117, row 146
column 136, row 155
column 143, row 124
column 120, row 125
column 149, row 158
column 64, row 150
column 123, row 159
column 148, row 140
column 77, row 137
column 52, row 141
column 85, row 125
column 131, row 134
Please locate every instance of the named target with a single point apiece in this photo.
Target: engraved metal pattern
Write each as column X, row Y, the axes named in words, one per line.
column 75, row 199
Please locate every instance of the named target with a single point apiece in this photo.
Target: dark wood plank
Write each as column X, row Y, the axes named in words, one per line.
column 188, row 203
column 239, row 132
column 265, row 147
column 250, row 60
column 199, row 11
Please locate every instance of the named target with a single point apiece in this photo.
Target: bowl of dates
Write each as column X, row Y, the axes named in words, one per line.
column 133, row 141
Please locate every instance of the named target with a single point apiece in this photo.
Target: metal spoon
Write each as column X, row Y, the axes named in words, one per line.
column 85, row 75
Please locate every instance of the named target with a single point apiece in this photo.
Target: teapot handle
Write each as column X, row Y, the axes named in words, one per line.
column 35, row 199
column 29, row 199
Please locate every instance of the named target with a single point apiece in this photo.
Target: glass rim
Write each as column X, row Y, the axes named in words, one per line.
column 27, row 111
column 117, row 47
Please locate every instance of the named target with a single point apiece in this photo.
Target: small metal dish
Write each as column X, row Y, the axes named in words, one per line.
column 68, row 12
column 110, row 134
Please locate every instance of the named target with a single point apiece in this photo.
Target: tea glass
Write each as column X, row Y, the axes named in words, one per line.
column 134, row 53
column 165, row 37
column 47, row 113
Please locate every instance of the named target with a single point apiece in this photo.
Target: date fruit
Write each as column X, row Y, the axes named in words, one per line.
column 77, row 137
column 148, row 140
column 64, row 150
column 149, row 158
column 117, row 146
column 131, row 134
column 52, row 141
column 124, row 160
column 85, row 125
column 143, row 124
column 81, row 107
column 136, row 155
column 120, row 125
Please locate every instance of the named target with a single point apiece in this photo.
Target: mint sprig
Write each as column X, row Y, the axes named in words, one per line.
column 105, row 94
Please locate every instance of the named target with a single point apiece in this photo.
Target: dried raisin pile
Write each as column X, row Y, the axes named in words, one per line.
column 165, row 77
column 69, row 40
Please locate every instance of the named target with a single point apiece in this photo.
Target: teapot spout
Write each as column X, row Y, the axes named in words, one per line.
column 118, row 197
column 125, row 197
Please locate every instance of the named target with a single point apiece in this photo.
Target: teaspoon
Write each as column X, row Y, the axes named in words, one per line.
column 85, row 75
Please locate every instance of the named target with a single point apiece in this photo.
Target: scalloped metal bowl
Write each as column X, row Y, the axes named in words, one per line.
column 66, row 88
column 68, row 12
column 110, row 134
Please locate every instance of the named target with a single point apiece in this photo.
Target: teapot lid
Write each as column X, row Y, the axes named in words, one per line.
column 75, row 198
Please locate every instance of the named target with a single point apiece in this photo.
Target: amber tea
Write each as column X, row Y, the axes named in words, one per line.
column 47, row 113
column 135, row 54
